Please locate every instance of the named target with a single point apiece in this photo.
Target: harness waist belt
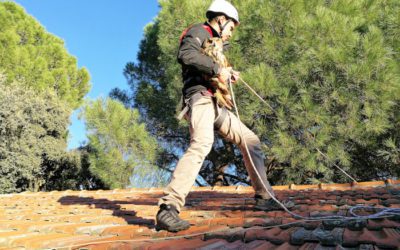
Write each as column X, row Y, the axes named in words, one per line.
column 220, row 116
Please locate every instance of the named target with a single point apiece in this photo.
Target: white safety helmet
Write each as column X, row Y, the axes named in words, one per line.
column 224, row 7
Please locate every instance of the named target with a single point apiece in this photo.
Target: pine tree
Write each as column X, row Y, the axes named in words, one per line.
column 330, row 74
column 120, row 145
column 31, row 55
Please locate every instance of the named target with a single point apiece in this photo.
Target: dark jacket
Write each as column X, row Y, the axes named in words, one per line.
column 194, row 63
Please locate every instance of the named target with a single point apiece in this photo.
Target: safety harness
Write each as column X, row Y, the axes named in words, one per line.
column 220, row 113
column 206, row 27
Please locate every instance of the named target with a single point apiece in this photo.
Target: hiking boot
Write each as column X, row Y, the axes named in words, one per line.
column 271, row 204
column 167, row 219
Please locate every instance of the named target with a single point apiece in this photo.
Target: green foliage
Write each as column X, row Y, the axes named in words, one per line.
column 120, row 144
column 330, row 71
column 72, row 171
column 32, row 137
column 31, row 55
column 40, row 86
column 332, row 77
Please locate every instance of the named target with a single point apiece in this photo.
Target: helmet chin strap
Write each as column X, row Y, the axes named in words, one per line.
column 222, row 27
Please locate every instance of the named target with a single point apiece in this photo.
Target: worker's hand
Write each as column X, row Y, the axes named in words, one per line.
column 224, row 74
column 227, row 73
column 234, row 76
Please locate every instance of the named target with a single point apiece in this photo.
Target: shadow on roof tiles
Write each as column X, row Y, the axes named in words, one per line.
column 128, row 215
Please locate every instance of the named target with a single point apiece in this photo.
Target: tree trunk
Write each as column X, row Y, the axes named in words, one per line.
column 220, row 180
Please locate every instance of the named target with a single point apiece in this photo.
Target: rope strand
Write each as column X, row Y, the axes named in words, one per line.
column 384, row 211
column 273, row 110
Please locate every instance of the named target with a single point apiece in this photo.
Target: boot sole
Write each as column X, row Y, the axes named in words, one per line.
column 172, row 230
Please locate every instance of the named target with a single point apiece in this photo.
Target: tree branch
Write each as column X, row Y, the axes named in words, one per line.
column 237, row 178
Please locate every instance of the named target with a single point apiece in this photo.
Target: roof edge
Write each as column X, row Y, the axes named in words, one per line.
column 226, row 189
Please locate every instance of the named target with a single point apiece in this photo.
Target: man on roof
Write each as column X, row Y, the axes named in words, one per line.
column 205, row 116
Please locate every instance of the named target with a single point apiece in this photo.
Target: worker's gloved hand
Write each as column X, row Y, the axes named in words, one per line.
column 227, row 73
column 234, row 76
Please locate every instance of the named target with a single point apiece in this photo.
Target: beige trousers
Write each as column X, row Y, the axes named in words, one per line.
column 202, row 116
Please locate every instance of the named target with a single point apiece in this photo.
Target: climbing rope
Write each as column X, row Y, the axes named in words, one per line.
column 273, row 110
column 382, row 211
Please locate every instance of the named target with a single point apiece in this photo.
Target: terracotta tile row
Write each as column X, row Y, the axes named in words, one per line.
column 221, row 217
column 298, row 236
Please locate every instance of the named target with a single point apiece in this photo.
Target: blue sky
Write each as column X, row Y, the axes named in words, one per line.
column 102, row 34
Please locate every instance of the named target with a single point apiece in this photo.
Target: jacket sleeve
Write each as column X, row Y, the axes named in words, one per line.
column 190, row 52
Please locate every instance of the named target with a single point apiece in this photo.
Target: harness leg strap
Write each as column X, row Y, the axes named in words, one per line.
column 219, row 113
column 220, row 118
column 182, row 113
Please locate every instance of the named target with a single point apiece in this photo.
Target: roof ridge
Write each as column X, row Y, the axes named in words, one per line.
column 235, row 189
